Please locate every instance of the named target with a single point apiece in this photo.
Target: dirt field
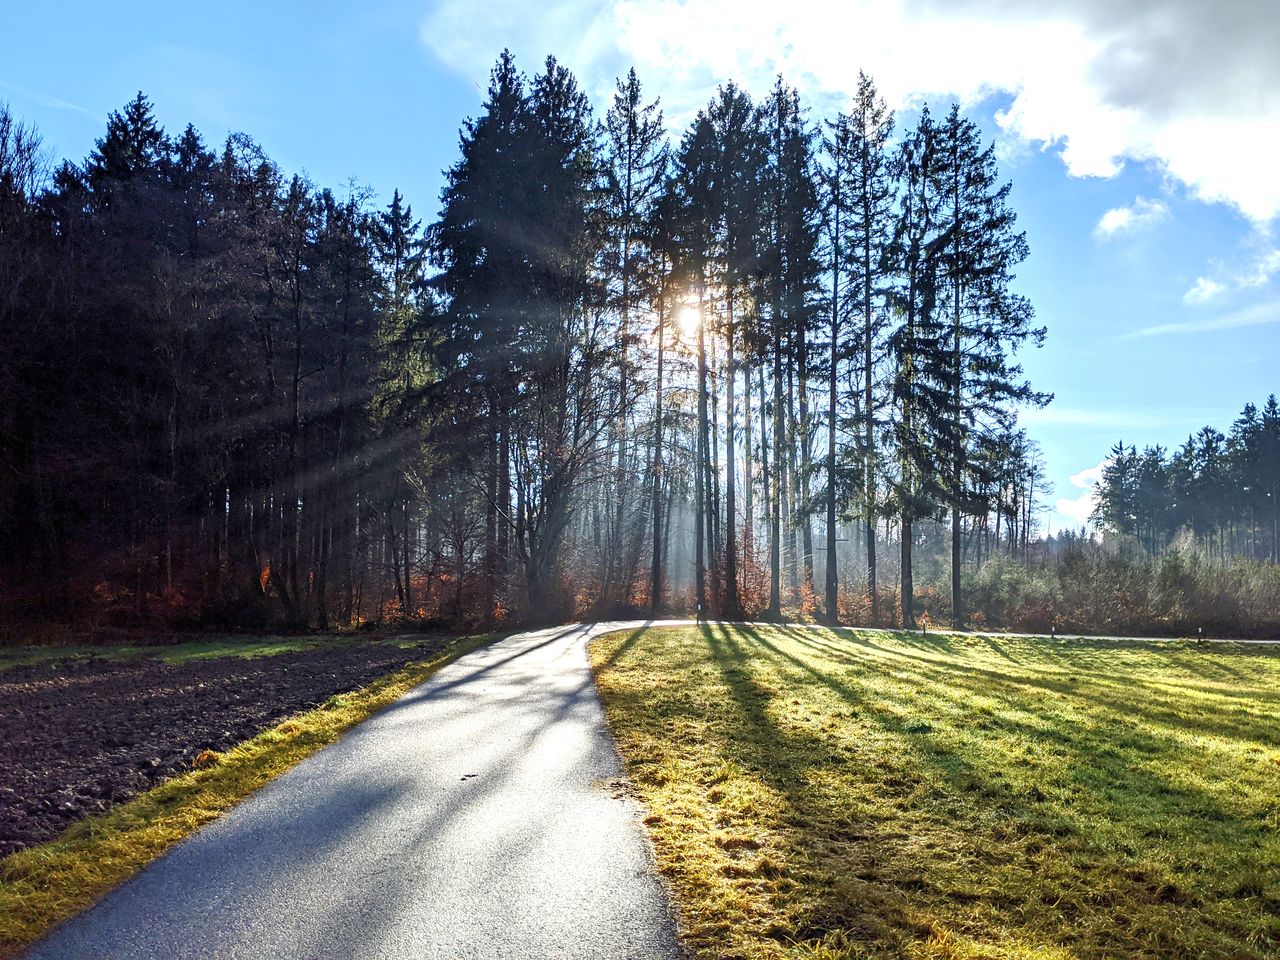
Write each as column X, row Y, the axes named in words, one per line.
column 80, row 736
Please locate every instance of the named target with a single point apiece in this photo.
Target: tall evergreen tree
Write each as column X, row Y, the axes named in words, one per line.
column 483, row 246
column 636, row 158
column 919, row 372
column 739, row 157
column 989, row 322
column 789, row 289
column 859, row 146
column 695, row 185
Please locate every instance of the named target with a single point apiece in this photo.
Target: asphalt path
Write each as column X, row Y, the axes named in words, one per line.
column 480, row 816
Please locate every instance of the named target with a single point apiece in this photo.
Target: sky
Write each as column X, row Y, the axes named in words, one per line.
column 1141, row 139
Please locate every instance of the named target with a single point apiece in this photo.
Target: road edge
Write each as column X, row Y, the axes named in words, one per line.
column 674, row 906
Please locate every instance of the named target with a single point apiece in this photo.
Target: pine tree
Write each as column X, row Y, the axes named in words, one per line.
column 989, row 322
column 1268, row 491
column 694, row 184
column 662, row 285
column 859, row 146
column 636, row 160
column 563, row 406
column 738, row 171
column 789, row 288
column 837, row 198
column 482, row 246
column 134, row 148
column 918, row 349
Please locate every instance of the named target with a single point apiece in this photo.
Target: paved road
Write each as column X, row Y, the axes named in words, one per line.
column 474, row 818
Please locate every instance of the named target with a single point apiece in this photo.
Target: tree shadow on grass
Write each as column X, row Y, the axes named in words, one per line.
column 1111, row 760
column 1106, row 761
column 788, row 759
column 1208, row 661
column 1124, row 699
column 784, row 761
column 625, row 646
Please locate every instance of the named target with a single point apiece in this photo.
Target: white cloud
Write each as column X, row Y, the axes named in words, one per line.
column 1253, row 275
column 44, row 99
column 1139, row 215
column 1260, row 272
column 1258, row 315
column 1203, row 291
column 1086, row 479
column 1080, row 508
column 1056, row 415
column 1192, row 87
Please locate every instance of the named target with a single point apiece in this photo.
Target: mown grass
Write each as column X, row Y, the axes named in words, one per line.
column 206, row 647
column 865, row 794
column 45, row 885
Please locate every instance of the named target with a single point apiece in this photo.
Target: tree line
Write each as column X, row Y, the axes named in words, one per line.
column 1223, row 489
column 202, row 382
column 772, row 327
column 616, row 371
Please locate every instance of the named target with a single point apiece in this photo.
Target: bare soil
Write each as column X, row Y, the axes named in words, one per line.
column 79, row 736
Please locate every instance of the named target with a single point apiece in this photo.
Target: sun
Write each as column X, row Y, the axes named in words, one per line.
column 688, row 318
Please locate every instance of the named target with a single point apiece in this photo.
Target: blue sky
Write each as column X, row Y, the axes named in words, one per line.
column 1141, row 139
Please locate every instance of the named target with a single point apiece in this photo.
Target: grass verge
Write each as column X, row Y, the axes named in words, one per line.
column 207, row 647
column 48, row 884
column 821, row 794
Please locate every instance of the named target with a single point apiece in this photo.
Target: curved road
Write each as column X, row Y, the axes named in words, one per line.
column 479, row 816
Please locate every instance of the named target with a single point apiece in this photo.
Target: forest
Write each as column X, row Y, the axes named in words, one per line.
column 768, row 368
column 1223, row 488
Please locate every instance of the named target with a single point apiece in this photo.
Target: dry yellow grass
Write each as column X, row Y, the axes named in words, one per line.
column 45, row 885
column 864, row 794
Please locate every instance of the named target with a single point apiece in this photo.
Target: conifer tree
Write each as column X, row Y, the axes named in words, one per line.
column 789, row 274
column 989, row 322
column 859, row 147
column 694, row 184
column 738, row 173
column 919, row 384
column 636, row 160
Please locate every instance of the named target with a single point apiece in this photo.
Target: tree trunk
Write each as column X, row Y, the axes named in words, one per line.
column 791, row 518
column 748, row 472
column 732, row 608
column 494, row 439
column 655, row 571
column 702, row 484
column 957, row 441
column 869, row 410
column 775, row 507
column 908, row 588
column 765, row 487
column 502, row 568
column 957, row 618
column 832, row 583
column 715, row 541
column 802, row 389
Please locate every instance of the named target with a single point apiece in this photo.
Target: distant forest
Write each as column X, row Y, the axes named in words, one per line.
column 768, row 369
column 1222, row 488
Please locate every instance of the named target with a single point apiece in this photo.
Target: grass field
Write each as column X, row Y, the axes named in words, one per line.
column 866, row 794
column 205, row 647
